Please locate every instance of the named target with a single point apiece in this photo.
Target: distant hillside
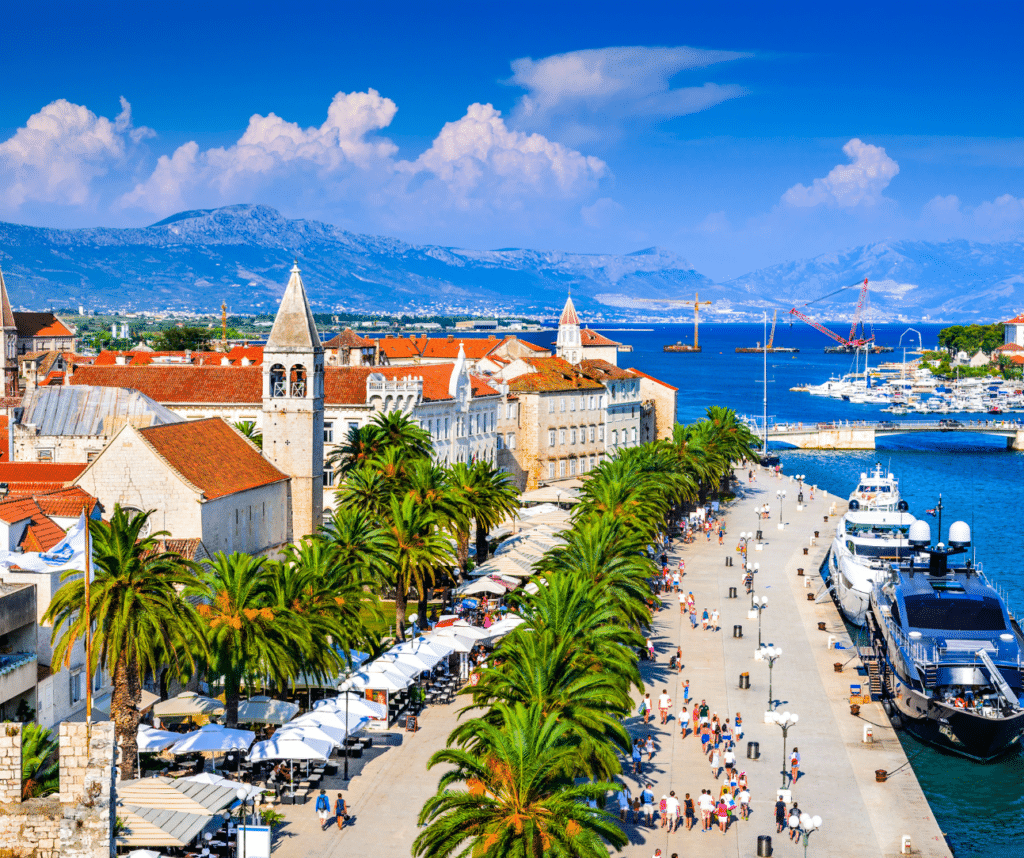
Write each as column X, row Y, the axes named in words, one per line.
column 194, row 260
column 241, row 254
column 950, row 280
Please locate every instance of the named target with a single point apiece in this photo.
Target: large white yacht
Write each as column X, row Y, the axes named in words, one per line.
column 865, row 544
column 878, row 490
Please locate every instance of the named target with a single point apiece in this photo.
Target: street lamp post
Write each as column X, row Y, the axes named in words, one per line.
column 344, row 689
column 781, row 495
column 242, row 794
column 784, row 720
column 758, row 603
column 807, row 826
column 800, row 487
column 770, row 654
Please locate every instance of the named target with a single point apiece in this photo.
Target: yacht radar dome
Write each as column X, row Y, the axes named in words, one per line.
column 920, row 533
column 959, row 534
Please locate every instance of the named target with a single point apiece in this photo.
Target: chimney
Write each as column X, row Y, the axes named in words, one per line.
column 120, row 360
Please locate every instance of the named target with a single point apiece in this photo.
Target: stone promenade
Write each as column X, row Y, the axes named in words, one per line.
column 860, row 817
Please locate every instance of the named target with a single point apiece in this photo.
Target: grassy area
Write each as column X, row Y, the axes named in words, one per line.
column 386, row 625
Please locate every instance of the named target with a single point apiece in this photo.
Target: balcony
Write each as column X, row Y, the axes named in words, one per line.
column 17, row 674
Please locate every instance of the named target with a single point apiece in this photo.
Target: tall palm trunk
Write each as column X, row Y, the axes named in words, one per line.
column 462, row 551
column 124, row 711
column 401, row 601
column 482, row 544
column 423, row 608
column 232, row 686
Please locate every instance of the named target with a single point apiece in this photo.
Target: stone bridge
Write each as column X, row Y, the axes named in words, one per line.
column 861, row 435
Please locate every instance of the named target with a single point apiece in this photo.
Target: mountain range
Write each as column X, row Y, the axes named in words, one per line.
column 241, row 254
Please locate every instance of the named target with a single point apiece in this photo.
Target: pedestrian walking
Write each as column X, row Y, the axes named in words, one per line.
column 707, row 804
column 679, row 659
column 672, row 809
column 690, row 812
column 650, row 648
column 638, row 758
column 794, row 822
column 744, row 800
column 649, row 747
column 794, row 765
column 663, row 811
column 686, row 690
column 682, row 603
column 625, row 804
column 323, row 809
column 780, row 816
column 684, row 721
column 705, row 618
column 722, row 810
column 693, row 615
column 340, row 811
column 647, row 798
column 714, row 620
column 729, row 758
column 664, row 704
column 716, row 764
column 645, row 707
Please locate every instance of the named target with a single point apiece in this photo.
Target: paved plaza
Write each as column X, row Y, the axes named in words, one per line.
column 860, row 817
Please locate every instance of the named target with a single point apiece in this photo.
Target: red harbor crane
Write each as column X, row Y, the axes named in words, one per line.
column 850, row 341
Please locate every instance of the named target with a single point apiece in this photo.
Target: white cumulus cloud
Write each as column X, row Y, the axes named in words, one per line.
column 60, row 152
column 586, row 94
column 860, row 182
column 1002, row 213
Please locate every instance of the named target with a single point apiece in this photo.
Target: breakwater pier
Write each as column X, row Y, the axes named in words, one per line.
column 837, row 780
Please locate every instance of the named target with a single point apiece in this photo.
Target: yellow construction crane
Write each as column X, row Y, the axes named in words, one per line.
column 697, row 304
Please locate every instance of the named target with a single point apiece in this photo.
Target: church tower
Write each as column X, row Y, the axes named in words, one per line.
column 568, row 345
column 293, row 406
column 9, row 352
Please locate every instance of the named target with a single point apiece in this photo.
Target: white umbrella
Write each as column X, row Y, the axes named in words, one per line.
column 150, row 739
column 312, row 731
column 467, row 631
column 144, row 853
column 390, row 682
column 484, row 585
column 392, row 665
column 263, row 710
column 458, row 643
column 418, row 645
column 421, row 661
column 356, row 706
column 503, row 627
column 335, row 720
column 290, row 748
column 214, row 738
column 188, row 704
column 218, row 780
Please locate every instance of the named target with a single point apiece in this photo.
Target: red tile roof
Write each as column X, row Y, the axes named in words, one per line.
column 29, row 477
column 180, row 384
column 42, row 534
column 448, row 348
column 18, row 509
column 552, row 374
column 1016, row 320
column 652, row 378
column 593, row 338
column 253, row 353
column 602, row 370
column 190, row 549
column 212, row 456
column 139, row 358
column 1010, row 347
column 66, row 503
column 482, row 386
column 349, row 339
column 531, row 346
column 399, row 347
column 40, row 325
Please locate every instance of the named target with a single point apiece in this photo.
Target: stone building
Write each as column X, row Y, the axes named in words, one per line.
column 19, row 664
column 204, row 480
column 350, row 349
column 482, row 353
column 659, row 407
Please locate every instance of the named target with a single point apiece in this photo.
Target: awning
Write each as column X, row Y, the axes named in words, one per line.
column 214, row 738
column 263, row 710
column 188, row 704
column 154, row 826
column 181, row 796
column 151, row 740
column 290, row 748
column 356, row 704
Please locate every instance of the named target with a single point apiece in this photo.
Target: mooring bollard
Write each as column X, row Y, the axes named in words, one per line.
column 810, row 597
column 805, row 550
column 800, row 572
column 737, row 631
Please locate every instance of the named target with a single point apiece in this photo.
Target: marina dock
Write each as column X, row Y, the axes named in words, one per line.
column 837, row 781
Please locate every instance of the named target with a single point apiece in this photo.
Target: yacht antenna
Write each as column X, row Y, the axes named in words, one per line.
column 938, row 509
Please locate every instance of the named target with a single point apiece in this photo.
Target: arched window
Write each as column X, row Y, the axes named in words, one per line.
column 277, row 385
column 297, row 380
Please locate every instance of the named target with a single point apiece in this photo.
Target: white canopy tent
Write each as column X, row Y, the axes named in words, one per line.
column 394, row 665
column 188, row 704
column 309, row 730
column 151, row 740
column 264, row 710
column 458, row 643
column 483, row 585
column 423, row 661
column 420, row 645
column 503, row 627
column 357, row 705
column 285, row 747
column 381, row 681
column 335, row 720
column 214, row 738
column 218, row 780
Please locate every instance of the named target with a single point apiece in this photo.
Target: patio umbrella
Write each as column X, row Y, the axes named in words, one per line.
column 218, row 780
column 484, row 585
column 466, row 630
column 422, row 661
column 335, row 720
column 458, row 643
column 214, row 738
column 391, row 665
column 285, row 747
column 263, row 710
column 357, row 705
column 503, row 627
column 151, row 740
column 188, row 704
column 309, row 730
column 390, row 682
column 418, row 645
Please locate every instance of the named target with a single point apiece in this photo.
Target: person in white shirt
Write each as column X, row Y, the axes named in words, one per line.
column 744, row 799
column 684, row 719
column 716, row 764
column 672, row 811
column 664, row 704
column 729, row 758
column 706, row 804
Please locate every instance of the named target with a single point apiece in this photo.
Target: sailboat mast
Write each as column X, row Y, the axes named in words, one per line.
column 764, row 400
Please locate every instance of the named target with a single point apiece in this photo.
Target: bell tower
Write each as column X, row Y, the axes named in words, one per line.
column 9, row 352
column 293, row 406
column 568, row 345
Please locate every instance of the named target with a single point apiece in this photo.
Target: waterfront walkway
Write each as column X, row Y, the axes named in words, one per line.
column 837, row 782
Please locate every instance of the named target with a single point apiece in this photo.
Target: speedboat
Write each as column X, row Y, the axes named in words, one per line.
column 878, row 490
column 949, row 652
column 866, row 542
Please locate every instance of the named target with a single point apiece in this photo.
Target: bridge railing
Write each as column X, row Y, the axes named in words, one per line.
column 897, row 426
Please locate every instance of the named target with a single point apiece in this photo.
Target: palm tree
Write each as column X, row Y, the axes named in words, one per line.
column 360, row 542
column 249, row 429
column 392, row 430
column 40, row 765
column 419, row 553
column 519, row 802
column 248, row 634
column 140, row 622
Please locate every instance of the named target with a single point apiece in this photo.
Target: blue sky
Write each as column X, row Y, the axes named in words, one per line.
column 737, row 136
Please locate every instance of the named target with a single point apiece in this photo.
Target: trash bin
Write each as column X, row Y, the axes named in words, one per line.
column 737, row 631
column 744, row 680
column 764, row 845
column 732, row 592
column 754, row 753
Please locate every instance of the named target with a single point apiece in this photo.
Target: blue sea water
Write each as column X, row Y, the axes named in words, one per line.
column 981, row 808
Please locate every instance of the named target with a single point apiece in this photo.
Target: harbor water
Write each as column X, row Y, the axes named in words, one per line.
column 980, row 807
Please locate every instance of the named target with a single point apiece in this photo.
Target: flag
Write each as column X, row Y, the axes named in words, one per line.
column 69, row 553
column 931, row 512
